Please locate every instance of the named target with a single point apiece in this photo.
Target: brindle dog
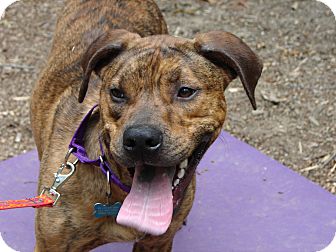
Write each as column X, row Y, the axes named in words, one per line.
column 161, row 105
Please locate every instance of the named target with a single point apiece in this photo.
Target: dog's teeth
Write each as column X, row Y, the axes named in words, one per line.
column 181, row 173
column 176, row 182
column 184, row 164
column 173, row 187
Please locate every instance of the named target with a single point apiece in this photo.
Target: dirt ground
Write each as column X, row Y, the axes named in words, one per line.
column 296, row 118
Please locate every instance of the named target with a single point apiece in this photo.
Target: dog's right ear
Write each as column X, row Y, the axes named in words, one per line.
column 101, row 51
column 225, row 49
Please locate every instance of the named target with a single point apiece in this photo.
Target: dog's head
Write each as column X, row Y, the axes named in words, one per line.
column 162, row 105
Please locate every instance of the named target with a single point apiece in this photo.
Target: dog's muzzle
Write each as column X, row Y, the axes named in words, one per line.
column 142, row 141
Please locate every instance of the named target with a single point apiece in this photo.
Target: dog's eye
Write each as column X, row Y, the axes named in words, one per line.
column 186, row 92
column 117, row 95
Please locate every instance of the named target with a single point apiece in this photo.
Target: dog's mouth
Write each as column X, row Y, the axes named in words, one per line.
column 155, row 190
column 181, row 171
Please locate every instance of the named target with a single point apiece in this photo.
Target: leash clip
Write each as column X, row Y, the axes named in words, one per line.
column 60, row 178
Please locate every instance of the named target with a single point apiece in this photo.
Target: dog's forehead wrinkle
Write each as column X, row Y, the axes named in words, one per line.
column 145, row 69
column 166, row 40
column 187, row 54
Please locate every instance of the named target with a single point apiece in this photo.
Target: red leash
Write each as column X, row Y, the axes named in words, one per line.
column 39, row 201
column 43, row 200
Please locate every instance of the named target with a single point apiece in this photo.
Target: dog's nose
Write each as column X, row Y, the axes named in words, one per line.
column 141, row 140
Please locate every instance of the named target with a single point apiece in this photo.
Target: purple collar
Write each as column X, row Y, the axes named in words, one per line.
column 77, row 143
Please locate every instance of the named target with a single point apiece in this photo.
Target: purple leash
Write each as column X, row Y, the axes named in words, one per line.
column 77, row 144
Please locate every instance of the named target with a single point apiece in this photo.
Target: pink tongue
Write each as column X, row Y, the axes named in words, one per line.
column 149, row 205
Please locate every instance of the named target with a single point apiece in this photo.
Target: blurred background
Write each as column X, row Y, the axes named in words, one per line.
column 295, row 122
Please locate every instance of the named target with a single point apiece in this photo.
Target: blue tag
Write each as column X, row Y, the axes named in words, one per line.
column 104, row 210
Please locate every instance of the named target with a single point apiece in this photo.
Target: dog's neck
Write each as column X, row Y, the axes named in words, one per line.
column 94, row 136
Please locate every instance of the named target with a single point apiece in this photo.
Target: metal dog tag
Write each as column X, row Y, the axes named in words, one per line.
column 104, row 210
column 108, row 209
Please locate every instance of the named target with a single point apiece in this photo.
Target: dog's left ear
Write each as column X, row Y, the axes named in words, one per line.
column 100, row 52
column 226, row 50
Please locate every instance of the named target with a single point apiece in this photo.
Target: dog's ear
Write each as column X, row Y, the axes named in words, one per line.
column 226, row 50
column 100, row 52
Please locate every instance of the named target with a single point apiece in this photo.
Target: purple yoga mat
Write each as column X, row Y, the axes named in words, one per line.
column 245, row 201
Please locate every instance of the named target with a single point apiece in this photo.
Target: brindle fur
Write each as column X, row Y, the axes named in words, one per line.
column 149, row 70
